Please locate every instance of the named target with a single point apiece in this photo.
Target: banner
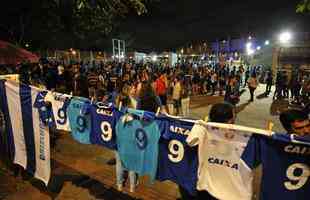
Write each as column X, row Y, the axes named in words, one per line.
column 28, row 135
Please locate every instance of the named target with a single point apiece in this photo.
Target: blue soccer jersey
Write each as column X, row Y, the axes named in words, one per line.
column 45, row 112
column 178, row 162
column 80, row 123
column 104, row 119
column 286, row 166
column 137, row 144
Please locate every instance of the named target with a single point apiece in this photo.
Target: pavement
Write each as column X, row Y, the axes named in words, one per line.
column 81, row 171
column 255, row 114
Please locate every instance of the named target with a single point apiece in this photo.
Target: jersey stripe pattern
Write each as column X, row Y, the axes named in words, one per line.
column 28, row 133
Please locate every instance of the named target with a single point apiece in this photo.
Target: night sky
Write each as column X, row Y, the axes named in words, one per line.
column 174, row 23
column 171, row 24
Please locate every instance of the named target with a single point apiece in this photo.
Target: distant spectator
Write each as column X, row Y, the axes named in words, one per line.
column 51, row 77
column 176, row 95
column 269, row 81
column 147, row 98
column 80, row 87
column 161, row 87
column 93, row 81
column 232, row 91
column 252, row 83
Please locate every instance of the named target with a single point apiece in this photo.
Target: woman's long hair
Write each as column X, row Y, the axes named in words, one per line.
column 147, row 97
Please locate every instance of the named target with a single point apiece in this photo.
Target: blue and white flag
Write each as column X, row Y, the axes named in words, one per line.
column 28, row 134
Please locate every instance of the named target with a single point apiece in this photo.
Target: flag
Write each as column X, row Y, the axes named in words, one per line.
column 28, row 135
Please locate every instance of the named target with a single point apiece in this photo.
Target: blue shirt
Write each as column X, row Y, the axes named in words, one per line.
column 104, row 119
column 45, row 112
column 286, row 166
column 80, row 123
column 176, row 158
column 137, row 143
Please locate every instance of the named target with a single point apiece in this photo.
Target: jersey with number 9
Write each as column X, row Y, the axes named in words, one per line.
column 80, row 122
column 286, row 166
column 60, row 103
column 176, row 158
column 104, row 120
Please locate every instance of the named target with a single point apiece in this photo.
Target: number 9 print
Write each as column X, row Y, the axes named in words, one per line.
column 176, row 150
column 298, row 175
column 62, row 115
column 106, row 131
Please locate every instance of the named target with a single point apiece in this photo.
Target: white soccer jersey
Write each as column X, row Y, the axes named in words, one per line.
column 59, row 106
column 221, row 171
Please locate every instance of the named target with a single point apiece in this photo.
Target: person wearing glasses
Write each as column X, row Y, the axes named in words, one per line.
column 296, row 121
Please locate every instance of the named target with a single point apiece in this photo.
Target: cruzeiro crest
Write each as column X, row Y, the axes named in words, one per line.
column 141, row 138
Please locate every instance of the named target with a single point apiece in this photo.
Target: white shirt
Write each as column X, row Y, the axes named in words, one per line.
column 61, row 117
column 221, row 171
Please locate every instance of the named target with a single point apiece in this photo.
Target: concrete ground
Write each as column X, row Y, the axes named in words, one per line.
column 81, row 171
column 254, row 114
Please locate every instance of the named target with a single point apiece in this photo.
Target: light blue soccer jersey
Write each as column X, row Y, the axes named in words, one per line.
column 137, row 143
column 80, row 123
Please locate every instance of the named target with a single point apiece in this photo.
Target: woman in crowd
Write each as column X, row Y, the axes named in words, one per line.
column 185, row 99
column 124, row 99
column 176, row 95
column 252, row 83
column 232, row 91
column 147, row 99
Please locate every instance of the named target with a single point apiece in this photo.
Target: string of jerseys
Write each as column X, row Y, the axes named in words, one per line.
column 218, row 158
column 196, row 155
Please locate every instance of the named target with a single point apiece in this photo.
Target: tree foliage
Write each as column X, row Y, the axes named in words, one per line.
column 43, row 21
column 303, row 7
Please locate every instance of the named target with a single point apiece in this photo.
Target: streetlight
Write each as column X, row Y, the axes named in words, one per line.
column 285, row 37
column 250, row 37
column 248, row 45
column 250, row 52
column 154, row 58
column 267, row 42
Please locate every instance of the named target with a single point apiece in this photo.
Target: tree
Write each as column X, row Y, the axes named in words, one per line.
column 68, row 22
column 303, row 7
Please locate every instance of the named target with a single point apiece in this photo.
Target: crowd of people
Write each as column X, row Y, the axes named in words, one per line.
column 150, row 87
column 168, row 86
